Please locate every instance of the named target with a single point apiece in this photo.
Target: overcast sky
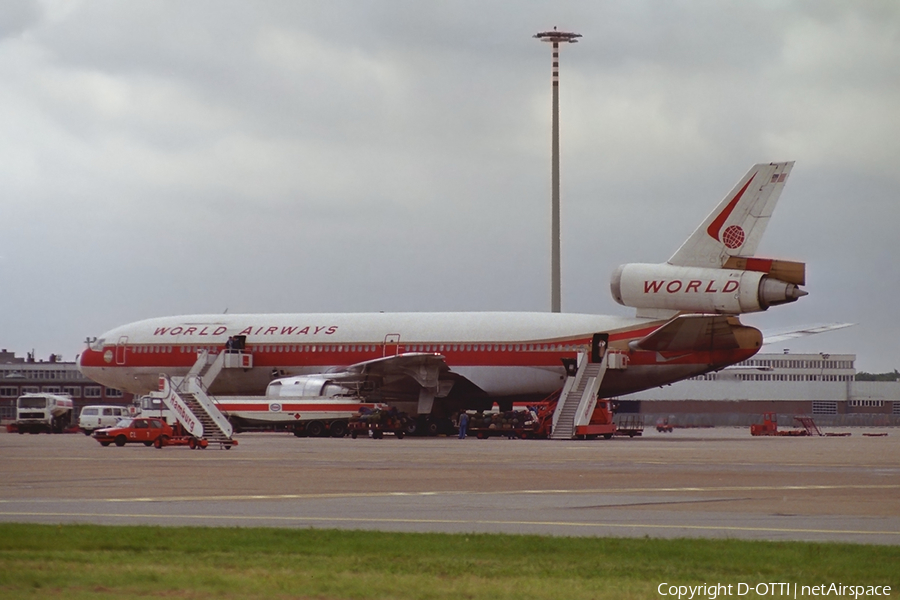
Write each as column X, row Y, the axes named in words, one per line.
column 162, row 158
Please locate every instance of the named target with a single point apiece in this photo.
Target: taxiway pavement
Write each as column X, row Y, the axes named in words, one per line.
column 716, row 483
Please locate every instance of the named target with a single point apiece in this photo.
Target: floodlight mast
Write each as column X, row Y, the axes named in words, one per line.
column 556, row 38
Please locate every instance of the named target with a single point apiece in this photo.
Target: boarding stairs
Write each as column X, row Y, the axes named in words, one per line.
column 809, row 425
column 579, row 397
column 188, row 399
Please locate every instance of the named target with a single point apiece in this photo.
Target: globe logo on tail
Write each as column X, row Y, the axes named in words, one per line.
column 733, row 237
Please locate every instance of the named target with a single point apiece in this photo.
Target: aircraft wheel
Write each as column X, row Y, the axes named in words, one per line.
column 121, row 440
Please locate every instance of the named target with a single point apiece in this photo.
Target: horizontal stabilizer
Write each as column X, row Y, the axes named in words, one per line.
column 783, row 336
column 688, row 333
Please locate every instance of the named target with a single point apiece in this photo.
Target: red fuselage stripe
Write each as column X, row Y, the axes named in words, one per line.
column 325, row 355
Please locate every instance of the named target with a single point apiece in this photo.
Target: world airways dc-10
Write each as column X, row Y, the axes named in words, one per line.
column 686, row 324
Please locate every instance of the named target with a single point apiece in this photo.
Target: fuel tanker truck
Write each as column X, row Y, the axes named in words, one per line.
column 36, row 413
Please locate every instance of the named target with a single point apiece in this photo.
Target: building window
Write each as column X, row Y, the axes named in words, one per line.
column 92, row 391
column 113, row 393
column 72, row 390
column 820, row 407
column 9, row 392
column 866, row 403
column 52, row 389
column 30, row 389
column 896, row 408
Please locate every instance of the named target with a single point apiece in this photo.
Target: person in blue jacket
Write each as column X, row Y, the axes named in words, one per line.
column 463, row 424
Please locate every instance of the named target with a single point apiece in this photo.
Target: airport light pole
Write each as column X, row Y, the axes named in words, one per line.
column 556, row 38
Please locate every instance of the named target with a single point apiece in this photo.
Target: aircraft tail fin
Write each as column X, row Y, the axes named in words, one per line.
column 736, row 226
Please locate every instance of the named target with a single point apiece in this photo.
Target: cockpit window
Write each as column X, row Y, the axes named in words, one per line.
column 97, row 344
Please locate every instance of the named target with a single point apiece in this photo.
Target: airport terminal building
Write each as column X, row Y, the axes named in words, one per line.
column 20, row 376
column 821, row 385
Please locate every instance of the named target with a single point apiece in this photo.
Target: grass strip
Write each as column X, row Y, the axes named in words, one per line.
column 88, row 561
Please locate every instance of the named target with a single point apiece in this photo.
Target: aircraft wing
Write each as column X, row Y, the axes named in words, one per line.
column 783, row 336
column 687, row 333
column 414, row 379
column 424, row 368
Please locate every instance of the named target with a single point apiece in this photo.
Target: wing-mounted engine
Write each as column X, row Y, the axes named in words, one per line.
column 743, row 285
column 412, row 380
column 312, row 386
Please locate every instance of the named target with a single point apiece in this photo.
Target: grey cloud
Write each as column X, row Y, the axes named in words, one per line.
column 394, row 155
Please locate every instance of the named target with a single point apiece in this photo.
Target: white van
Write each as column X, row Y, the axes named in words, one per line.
column 97, row 417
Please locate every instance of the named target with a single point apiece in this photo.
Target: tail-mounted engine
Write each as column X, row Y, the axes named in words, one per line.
column 743, row 285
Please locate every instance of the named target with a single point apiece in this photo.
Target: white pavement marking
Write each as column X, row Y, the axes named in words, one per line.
column 749, row 488
column 461, row 522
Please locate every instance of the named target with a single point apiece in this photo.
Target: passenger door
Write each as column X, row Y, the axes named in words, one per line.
column 121, row 350
column 391, row 345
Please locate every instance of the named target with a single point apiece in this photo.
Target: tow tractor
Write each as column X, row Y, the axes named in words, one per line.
column 769, row 426
column 180, row 437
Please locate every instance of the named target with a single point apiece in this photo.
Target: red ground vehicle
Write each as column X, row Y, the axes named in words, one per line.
column 132, row 431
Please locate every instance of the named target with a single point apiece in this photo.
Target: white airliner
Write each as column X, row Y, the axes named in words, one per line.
column 436, row 363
